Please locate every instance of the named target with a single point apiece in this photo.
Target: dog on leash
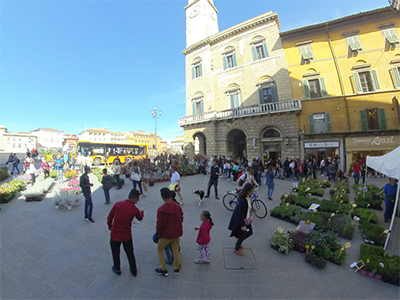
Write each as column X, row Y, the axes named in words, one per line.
column 200, row 195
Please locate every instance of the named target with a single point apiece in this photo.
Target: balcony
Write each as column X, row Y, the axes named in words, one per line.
column 243, row 112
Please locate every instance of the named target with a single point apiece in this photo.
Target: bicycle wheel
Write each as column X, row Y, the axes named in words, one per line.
column 259, row 208
column 230, row 201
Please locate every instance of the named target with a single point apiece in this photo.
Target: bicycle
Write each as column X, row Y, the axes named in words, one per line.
column 230, row 201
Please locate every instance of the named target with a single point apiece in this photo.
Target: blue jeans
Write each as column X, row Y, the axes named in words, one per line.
column 117, row 182
column 88, row 205
column 356, row 177
column 14, row 167
column 270, row 188
column 389, row 207
column 107, row 195
column 259, row 177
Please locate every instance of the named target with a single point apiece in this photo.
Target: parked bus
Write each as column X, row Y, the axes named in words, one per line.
column 122, row 152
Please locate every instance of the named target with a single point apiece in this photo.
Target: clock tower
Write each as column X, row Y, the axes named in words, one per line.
column 201, row 20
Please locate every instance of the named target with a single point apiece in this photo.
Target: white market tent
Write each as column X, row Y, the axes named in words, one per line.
column 388, row 164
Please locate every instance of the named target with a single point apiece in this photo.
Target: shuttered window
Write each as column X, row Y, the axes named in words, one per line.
column 319, row 123
column 396, row 77
column 366, row 81
column 354, row 43
column 267, row 93
column 373, row 119
column 306, row 52
column 314, row 88
column 259, row 51
column 197, row 107
column 229, row 60
column 196, row 70
column 391, row 36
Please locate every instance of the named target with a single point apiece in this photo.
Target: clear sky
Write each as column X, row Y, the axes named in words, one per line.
column 106, row 64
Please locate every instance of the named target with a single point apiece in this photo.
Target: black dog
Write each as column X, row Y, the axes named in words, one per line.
column 200, row 195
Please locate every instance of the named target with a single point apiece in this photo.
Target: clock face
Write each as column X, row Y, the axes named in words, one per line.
column 213, row 14
column 195, row 11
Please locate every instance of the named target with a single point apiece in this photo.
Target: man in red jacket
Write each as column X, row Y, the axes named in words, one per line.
column 168, row 230
column 119, row 222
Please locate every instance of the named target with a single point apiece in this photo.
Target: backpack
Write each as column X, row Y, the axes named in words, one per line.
column 16, row 161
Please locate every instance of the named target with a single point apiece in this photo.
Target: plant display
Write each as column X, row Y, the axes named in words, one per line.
column 367, row 200
column 315, row 260
column 71, row 174
column 8, row 190
column 68, row 200
column 53, row 174
column 327, row 245
column 282, row 241
column 299, row 239
column 365, row 215
column 325, row 205
column 340, row 198
column 4, row 173
column 38, row 190
column 372, row 234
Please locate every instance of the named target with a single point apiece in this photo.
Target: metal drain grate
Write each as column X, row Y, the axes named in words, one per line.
column 233, row 261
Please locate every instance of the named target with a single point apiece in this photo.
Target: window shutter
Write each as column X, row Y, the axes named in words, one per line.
column 386, row 35
column 194, row 107
column 306, row 88
column 396, row 77
column 273, row 93
column 260, row 95
column 311, row 123
column 253, row 48
column 193, row 72
column 350, row 43
column 200, row 71
column 357, row 42
column 265, row 49
column 393, row 36
column 234, row 98
column 309, row 52
column 328, row 122
column 303, row 53
column 382, row 118
column 225, row 63
column 233, row 59
column 323, row 87
column 375, row 80
column 357, row 83
column 201, row 107
column 364, row 122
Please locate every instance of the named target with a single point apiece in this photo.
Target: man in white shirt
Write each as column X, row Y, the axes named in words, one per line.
column 89, row 160
column 247, row 177
column 175, row 179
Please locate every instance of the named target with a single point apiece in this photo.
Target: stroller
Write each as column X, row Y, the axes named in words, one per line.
column 342, row 176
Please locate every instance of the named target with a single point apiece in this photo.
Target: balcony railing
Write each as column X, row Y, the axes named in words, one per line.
column 242, row 112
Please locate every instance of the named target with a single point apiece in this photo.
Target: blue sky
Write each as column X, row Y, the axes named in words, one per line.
column 64, row 64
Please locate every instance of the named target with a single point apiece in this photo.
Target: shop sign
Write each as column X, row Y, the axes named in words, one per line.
column 319, row 116
column 322, row 145
column 374, row 141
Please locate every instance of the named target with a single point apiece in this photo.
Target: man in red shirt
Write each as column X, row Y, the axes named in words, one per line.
column 356, row 172
column 168, row 230
column 119, row 222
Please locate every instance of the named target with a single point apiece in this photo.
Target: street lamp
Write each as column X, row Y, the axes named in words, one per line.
column 155, row 116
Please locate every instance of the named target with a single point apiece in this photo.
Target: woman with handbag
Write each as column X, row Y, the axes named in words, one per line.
column 136, row 177
column 241, row 219
column 175, row 183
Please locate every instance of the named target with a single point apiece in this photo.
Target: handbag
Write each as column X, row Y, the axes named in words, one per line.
column 174, row 187
column 135, row 176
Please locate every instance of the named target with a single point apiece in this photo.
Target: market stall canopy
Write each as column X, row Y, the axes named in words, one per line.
column 388, row 164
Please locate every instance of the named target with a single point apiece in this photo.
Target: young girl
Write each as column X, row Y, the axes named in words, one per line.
column 203, row 238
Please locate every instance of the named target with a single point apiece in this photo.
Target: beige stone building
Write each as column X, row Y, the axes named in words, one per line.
column 238, row 95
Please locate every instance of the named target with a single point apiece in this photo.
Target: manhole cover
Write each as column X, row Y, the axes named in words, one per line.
column 236, row 262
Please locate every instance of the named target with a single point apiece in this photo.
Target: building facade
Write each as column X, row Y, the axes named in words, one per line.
column 146, row 138
column 16, row 142
column 177, row 145
column 347, row 73
column 49, row 138
column 238, row 96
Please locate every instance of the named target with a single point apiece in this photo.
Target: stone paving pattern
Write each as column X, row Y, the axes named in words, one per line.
column 54, row 254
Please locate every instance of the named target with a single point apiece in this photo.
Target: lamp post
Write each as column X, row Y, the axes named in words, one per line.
column 155, row 116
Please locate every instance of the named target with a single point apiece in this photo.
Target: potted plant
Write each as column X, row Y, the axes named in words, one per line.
column 315, row 260
column 281, row 241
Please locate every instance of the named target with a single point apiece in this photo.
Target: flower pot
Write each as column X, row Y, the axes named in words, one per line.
column 151, row 183
column 364, row 272
column 370, row 274
column 377, row 276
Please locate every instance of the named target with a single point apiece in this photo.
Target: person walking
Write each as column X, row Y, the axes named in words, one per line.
column 60, row 168
column 214, row 172
column 168, row 230
column 390, row 190
column 15, row 164
column 89, row 160
column 45, row 167
column 356, row 172
column 32, row 170
column 175, row 180
column 117, row 172
column 119, row 222
column 322, row 166
column 10, row 160
column 203, row 238
column 240, row 223
column 136, row 177
column 85, row 185
column 269, row 181
column 106, row 181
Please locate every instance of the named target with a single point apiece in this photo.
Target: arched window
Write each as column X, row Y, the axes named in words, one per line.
column 271, row 133
column 197, row 68
column 233, row 93
column 229, row 58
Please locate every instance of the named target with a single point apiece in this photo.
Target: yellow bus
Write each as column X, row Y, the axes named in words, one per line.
column 111, row 151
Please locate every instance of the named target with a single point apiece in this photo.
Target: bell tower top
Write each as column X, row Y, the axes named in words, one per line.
column 201, row 20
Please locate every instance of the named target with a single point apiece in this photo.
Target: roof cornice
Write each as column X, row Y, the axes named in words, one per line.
column 233, row 30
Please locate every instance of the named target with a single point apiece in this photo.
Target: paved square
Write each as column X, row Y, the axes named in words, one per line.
column 233, row 261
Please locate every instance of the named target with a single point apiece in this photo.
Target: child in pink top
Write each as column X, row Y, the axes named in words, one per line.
column 203, row 238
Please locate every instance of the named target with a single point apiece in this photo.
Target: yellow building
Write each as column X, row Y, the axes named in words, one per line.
column 347, row 73
column 143, row 138
column 238, row 96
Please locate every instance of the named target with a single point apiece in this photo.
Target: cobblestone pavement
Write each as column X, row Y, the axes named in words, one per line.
column 54, row 254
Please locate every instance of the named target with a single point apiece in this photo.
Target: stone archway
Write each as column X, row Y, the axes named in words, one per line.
column 271, row 143
column 236, row 143
column 199, row 143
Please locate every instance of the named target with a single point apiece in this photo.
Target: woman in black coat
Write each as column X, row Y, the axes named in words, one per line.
column 241, row 219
